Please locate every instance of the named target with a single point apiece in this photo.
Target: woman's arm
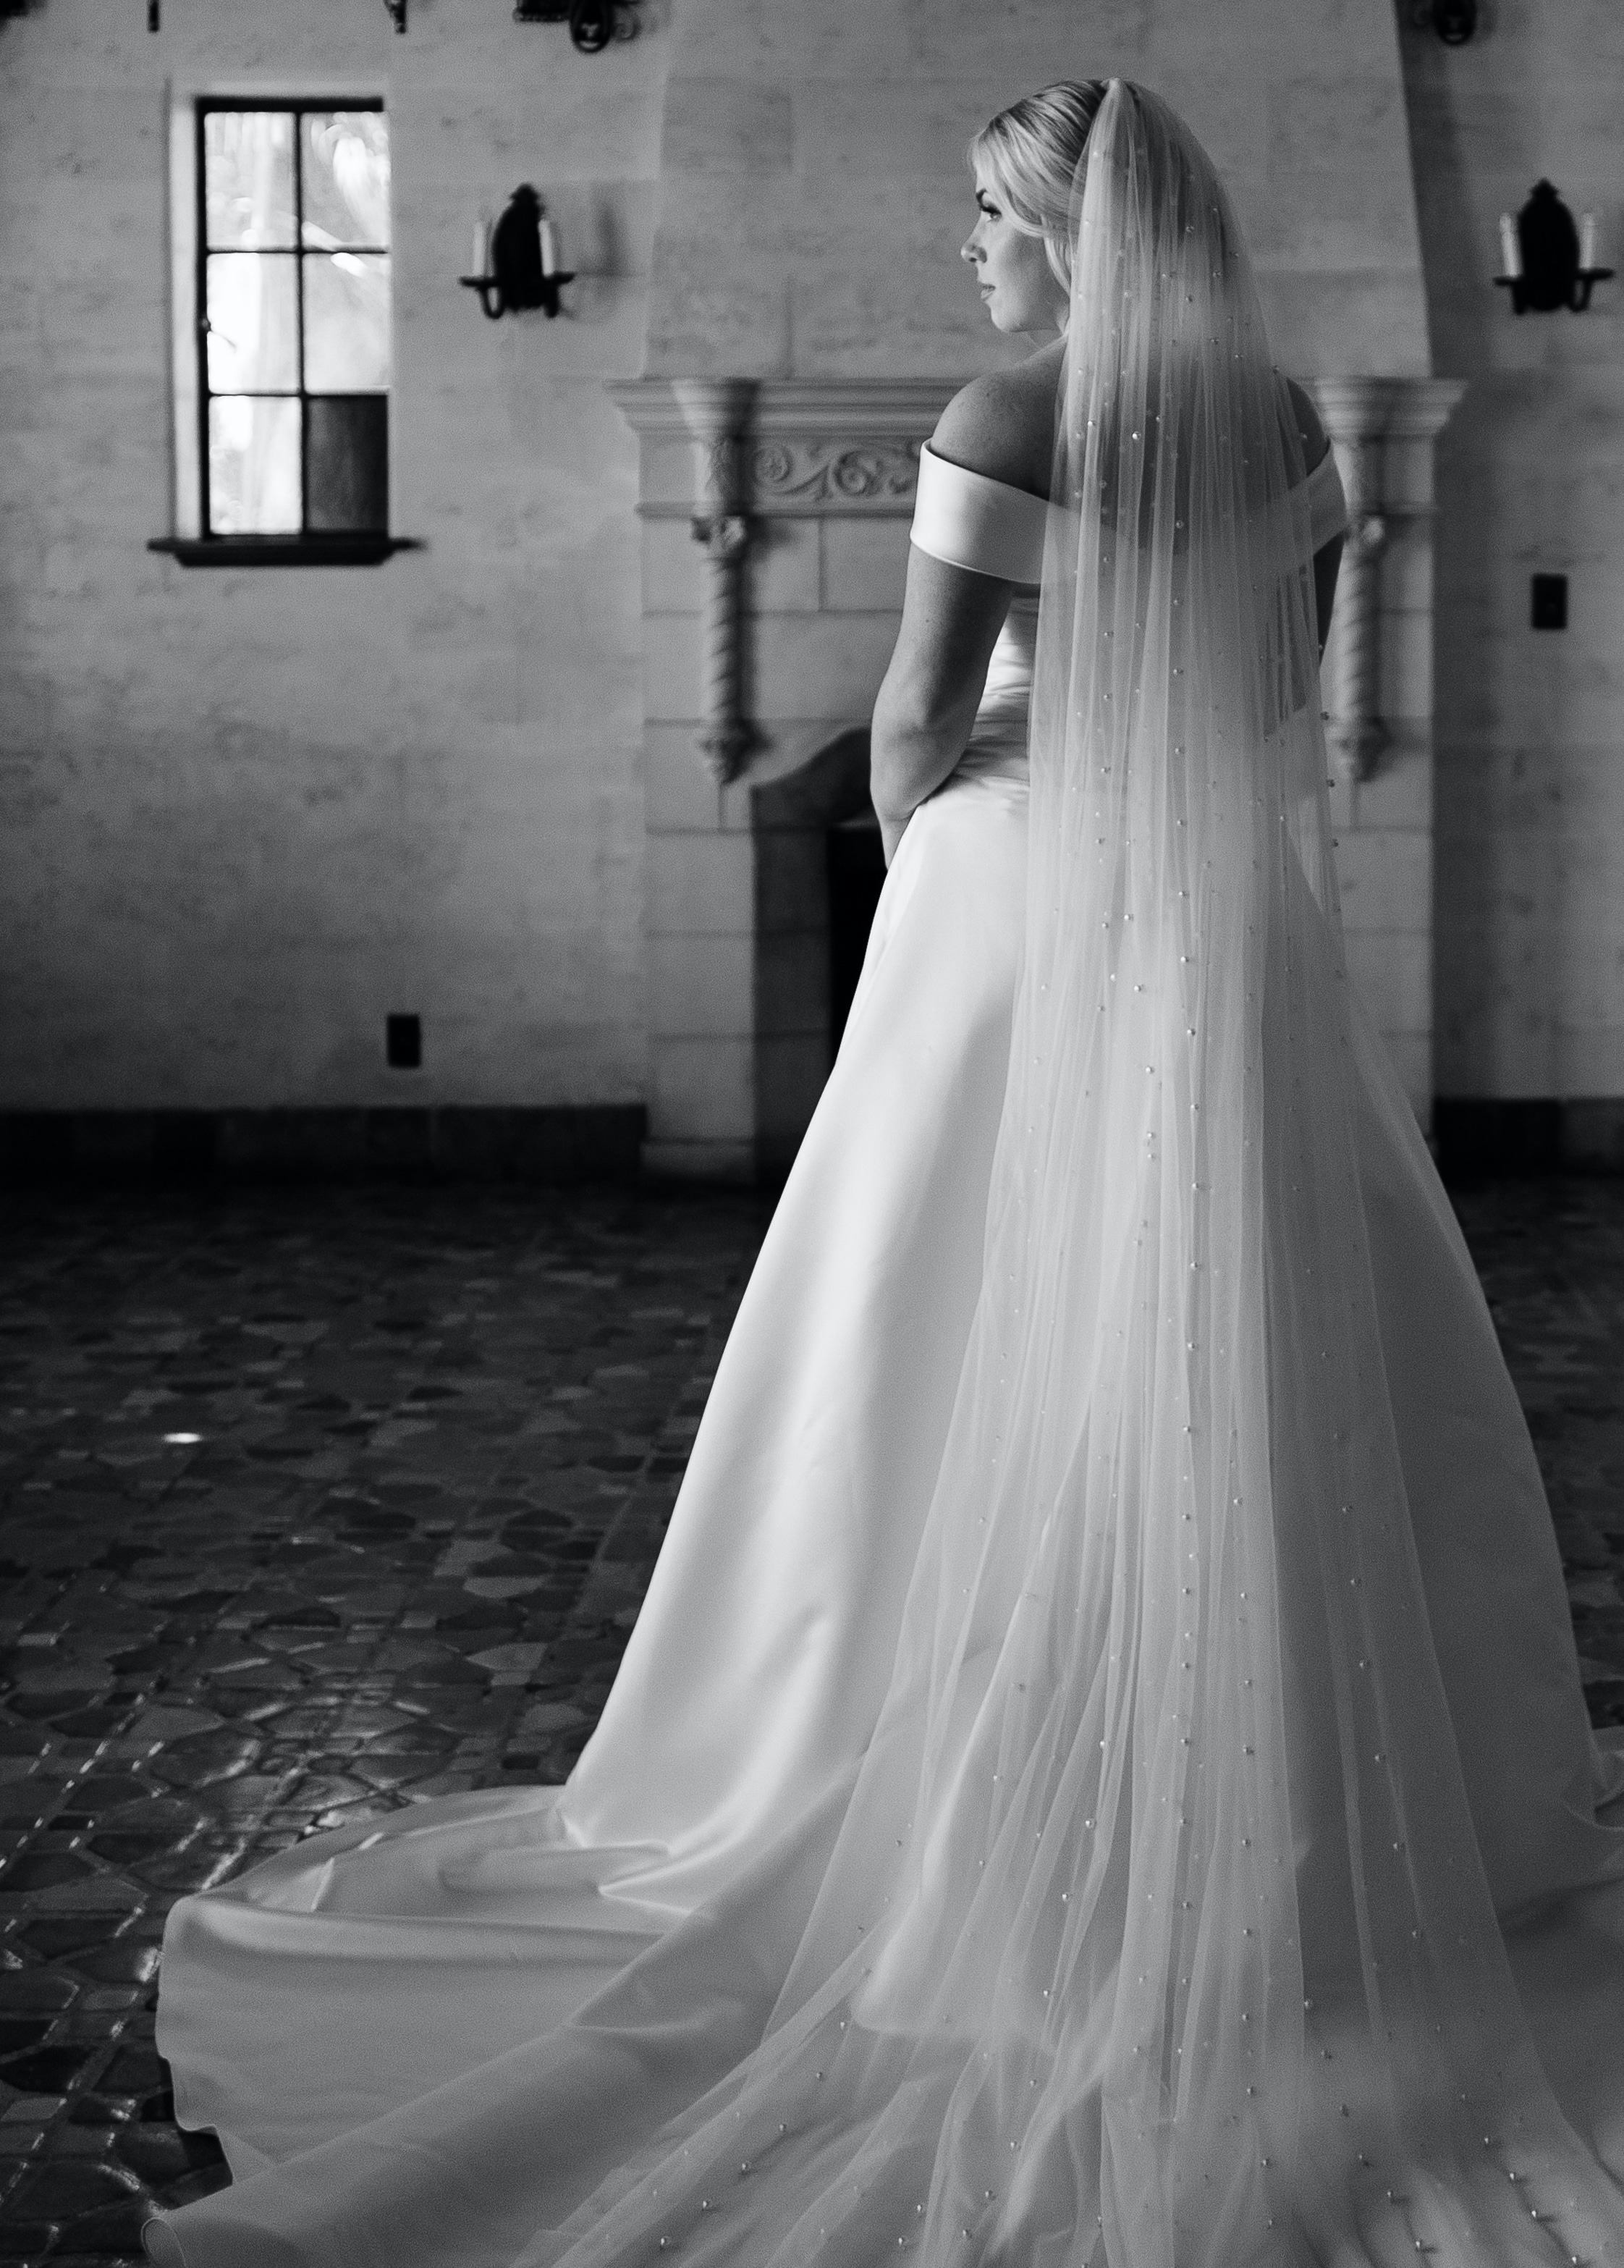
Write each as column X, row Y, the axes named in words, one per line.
column 1000, row 425
column 951, row 620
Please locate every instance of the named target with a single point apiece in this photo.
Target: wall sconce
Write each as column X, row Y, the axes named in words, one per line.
column 397, row 13
column 592, row 23
column 1453, row 20
column 1546, row 262
column 515, row 263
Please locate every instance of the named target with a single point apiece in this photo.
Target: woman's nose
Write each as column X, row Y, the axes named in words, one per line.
column 968, row 250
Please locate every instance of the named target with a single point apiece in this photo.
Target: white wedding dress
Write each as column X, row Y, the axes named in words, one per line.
column 990, row 1847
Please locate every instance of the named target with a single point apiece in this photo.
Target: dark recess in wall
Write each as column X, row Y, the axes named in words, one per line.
column 548, row 1146
column 1490, row 1140
column 1548, row 608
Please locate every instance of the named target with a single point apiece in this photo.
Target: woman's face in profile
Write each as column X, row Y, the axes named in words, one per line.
column 1017, row 286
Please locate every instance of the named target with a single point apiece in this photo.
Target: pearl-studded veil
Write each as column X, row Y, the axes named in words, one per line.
column 1156, row 1930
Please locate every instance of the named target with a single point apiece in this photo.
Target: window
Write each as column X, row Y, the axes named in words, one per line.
column 292, row 327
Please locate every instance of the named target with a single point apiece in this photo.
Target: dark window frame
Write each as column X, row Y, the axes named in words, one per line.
column 345, row 547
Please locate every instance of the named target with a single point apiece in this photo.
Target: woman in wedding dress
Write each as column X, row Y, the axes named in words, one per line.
column 1101, row 1774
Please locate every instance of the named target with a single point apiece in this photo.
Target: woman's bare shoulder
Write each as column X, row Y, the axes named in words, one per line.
column 1002, row 424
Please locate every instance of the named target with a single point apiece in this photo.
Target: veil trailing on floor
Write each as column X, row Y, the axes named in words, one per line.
column 1156, row 1929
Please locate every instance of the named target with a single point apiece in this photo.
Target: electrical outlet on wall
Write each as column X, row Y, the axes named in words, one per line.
column 1548, row 609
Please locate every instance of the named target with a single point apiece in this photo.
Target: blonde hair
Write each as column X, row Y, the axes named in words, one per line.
column 1030, row 152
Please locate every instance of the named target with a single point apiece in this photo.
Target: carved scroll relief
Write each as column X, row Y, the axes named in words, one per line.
column 811, row 472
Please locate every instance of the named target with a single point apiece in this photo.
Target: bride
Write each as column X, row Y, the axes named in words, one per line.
column 1101, row 1774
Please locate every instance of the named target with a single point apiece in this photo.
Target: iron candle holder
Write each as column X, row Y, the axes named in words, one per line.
column 1548, row 262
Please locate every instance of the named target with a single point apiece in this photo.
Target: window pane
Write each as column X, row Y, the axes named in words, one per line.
column 346, row 322
column 248, row 177
column 253, row 467
column 346, row 160
column 253, row 344
column 347, row 463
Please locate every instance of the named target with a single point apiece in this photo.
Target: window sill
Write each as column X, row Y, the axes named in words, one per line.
column 282, row 550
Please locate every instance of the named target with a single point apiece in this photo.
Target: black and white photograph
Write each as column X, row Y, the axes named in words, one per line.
column 811, row 1133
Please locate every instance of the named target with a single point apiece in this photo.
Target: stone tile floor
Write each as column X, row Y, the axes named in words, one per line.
column 317, row 1503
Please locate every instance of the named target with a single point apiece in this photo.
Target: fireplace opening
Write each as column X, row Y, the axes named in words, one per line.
column 856, row 868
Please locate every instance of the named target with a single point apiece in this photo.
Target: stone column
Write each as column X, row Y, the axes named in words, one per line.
column 1354, row 732
column 801, row 492
column 1362, row 415
column 718, row 414
column 1378, row 679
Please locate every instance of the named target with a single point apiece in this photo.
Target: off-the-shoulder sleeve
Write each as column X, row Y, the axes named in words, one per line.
column 1327, row 506
column 970, row 521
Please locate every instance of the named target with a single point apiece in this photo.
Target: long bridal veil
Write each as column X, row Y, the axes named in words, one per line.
column 1156, row 1930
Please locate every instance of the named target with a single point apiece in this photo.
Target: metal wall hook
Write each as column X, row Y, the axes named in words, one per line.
column 593, row 24
column 1453, row 20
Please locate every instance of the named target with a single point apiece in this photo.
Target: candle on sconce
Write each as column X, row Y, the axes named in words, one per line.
column 482, row 248
column 1587, row 241
column 1511, row 250
column 549, row 248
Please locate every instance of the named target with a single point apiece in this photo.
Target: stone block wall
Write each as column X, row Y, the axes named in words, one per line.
column 245, row 816
column 1530, row 869
column 814, row 192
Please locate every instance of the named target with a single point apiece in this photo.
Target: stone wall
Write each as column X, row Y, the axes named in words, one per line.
column 243, row 816
column 814, row 195
column 1530, row 478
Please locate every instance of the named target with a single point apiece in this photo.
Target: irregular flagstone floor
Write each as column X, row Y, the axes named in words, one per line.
column 317, row 1503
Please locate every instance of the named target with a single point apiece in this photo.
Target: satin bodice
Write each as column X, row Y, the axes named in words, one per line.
column 968, row 519
column 997, row 742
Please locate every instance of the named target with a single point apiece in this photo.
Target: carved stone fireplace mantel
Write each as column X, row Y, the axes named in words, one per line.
column 764, row 648
column 776, row 516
